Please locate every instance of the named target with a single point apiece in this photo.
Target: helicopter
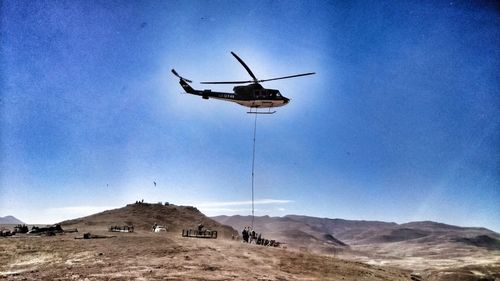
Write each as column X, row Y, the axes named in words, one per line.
column 252, row 95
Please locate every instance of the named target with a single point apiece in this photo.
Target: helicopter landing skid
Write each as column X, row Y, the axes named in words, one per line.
column 261, row 112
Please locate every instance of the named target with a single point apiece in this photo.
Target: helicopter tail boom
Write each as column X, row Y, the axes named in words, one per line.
column 187, row 87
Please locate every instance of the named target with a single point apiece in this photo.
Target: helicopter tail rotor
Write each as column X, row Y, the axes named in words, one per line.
column 180, row 77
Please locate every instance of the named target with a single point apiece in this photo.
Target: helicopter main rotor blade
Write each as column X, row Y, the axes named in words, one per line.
column 260, row 81
column 245, row 66
column 182, row 78
column 286, row 77
column 228, row 82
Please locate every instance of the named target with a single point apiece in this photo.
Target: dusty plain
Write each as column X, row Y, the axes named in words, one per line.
column 168, row 256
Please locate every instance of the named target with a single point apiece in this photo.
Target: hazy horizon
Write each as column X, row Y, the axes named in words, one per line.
column 84, row 212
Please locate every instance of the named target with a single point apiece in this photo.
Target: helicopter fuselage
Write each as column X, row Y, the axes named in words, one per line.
column 252, row 95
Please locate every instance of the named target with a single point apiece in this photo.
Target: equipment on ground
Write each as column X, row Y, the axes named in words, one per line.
column 125, row 228
column 48, row 230
column 6, row 233
column 89, row 235
column 194, row 233
column 21, row 228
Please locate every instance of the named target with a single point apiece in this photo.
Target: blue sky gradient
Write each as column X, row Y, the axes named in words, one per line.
column 400, row 123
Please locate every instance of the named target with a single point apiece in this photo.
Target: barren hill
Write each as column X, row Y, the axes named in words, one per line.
column 10, row 220
column 143, row 215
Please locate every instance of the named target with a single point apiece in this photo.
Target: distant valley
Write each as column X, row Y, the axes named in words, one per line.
column 341, row 233
column 411, row 245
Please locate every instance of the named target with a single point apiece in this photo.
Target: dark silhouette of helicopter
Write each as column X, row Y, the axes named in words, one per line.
column 252, row 95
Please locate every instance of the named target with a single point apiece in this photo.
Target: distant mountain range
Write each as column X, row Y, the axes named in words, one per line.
column 327, row 235
column 10, row 220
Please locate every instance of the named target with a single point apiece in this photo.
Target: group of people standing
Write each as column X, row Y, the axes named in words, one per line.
column 249, row 235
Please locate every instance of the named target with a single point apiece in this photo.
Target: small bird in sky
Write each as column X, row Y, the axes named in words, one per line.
column 154, row 183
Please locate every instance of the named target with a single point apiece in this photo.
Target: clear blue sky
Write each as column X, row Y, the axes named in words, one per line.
column 400, row 123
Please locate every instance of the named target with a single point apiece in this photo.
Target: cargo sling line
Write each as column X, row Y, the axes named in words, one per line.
column 253, row 166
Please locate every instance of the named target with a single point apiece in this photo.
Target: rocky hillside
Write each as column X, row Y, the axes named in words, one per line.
column 143, row 215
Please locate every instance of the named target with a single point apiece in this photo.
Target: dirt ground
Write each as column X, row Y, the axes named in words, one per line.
column 168, row 256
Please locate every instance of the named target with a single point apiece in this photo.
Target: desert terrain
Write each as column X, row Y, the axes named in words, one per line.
column 144, row 255
column 168, row 256
column 432, row 250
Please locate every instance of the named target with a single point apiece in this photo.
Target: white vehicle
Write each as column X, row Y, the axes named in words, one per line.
column 159, row 228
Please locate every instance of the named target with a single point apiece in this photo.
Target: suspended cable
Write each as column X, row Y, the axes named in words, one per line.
column 253, row 166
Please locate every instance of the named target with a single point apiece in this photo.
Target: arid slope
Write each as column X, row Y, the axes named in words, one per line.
column 143, row 215
column 168, row 256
